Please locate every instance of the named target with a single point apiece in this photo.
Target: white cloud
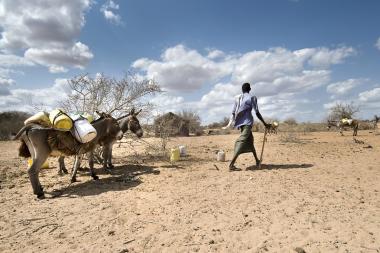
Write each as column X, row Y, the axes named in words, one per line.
column 370, row 95
column 182, row 69
column 324, row 57
column 343, row 87
column 273, row 71
column 30, row 100
column 46, row 31
column 9, row 60
column 77, row 56
column 377, row 45
column 215, row 54
column 108, row 11
column 4, row 86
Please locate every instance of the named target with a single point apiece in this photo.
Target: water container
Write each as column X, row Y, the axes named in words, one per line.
column 60, row 120
column 83, row 131
column 221, row 156
column 182, row 151
column 44, row 166
column 41, row 118
column 174, row 154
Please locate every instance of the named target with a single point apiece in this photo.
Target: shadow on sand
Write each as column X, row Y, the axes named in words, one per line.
column 281, row 166
column 122, row 178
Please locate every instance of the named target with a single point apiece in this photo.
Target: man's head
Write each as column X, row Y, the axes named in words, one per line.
column 246, row 88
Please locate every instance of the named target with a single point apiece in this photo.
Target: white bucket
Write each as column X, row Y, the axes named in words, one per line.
column 221, row 156
column 182, row 150
column 83, row 131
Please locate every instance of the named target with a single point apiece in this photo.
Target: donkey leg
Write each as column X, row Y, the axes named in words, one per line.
column 106, row 151
column 62, row 168
column 91, row 165
column 39, row 154
column 75, row 169
column 110, row 165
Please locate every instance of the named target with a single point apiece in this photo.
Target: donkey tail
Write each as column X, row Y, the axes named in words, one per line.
column 23, row 129
column 23, row 150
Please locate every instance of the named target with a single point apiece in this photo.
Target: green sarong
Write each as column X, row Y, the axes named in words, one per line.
column 244, row 144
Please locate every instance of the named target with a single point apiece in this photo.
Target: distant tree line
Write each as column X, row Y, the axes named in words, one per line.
column 11, row 122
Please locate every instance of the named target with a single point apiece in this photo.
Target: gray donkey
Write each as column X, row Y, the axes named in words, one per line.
column 40, row 143
column 129, row 123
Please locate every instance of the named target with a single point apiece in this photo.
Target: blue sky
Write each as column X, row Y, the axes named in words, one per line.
column 301, row 56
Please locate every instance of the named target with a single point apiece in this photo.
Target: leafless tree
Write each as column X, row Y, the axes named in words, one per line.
column 194, row 120
column 106, row 94
column 343, row 110
column 109, row 95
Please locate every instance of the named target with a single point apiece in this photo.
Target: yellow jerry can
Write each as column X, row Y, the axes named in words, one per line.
column 60, row 120
column 44, row 166
column 174, row 154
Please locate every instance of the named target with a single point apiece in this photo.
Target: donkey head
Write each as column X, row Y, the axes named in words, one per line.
column 132, row 123
column 110, row 126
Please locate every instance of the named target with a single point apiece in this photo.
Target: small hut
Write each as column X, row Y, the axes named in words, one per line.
column 171, row 124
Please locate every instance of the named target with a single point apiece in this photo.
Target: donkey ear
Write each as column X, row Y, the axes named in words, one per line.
column 132, row 111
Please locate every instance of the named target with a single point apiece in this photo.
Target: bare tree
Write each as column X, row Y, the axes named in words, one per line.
column 194, row 120
column 108, row 94
column 343, row 110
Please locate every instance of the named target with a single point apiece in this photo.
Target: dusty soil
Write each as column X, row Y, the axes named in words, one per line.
column 318, row 192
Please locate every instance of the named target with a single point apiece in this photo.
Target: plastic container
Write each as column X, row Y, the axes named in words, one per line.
column 174, row 154
column 221, row 156
column 83, row 131
column 60, row 120
column 182, row 151
column 89, row 117
column 44, row 166
column 41, row 118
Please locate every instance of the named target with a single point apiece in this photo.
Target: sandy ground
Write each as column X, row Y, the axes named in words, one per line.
column 320, row 194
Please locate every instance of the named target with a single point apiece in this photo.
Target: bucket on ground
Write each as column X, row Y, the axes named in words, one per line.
column 182, row 150
column 221, row 156
column 174, row 154
column 44, row 166
column 83, row 131
column 60, row 120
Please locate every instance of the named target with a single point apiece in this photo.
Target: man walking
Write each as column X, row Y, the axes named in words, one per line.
column 242, row 114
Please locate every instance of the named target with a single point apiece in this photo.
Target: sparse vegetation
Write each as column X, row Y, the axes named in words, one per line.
column 342, row 110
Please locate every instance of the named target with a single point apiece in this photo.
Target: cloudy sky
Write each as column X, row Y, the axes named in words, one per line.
column 301, row 56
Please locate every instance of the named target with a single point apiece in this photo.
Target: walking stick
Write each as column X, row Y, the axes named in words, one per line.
column 262, row 148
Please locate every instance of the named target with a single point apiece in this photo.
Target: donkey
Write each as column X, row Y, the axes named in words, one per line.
column 341, row 124
column 129, row 123
column 40, row 143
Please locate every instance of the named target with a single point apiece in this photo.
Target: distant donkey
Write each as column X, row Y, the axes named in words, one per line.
column 341, row 124
column 39, row 143
column 129, row 123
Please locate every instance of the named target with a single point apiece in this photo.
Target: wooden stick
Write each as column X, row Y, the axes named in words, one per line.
column 262, row 148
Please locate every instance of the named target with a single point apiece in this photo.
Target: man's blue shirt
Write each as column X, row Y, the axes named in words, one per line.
column 243, row 110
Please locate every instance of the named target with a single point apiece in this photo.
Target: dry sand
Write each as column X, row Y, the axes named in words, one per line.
column 320, row 195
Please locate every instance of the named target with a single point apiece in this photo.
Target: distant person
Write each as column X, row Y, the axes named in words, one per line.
column 242, row 119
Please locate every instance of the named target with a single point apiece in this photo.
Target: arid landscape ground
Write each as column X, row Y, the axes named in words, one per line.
column 317, row 192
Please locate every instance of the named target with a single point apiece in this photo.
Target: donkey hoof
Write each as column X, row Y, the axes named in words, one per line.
column 73, row 180
column 95, row 177
column 108, row 169
column 111, row 166
column 64, row 170
column 41, row 196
